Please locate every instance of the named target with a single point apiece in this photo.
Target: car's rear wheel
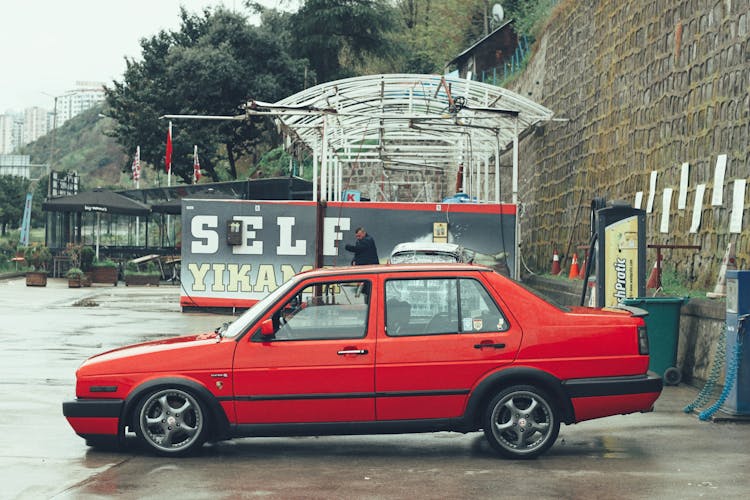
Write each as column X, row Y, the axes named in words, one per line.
column 104, row 443
column 171, row 422
column 521, row 422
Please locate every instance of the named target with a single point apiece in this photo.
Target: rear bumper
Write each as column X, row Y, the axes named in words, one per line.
column 601, row 397
column 613, row 386
column 94, row 417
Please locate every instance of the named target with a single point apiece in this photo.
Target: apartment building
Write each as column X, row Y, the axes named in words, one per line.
column 84, row 96
column 6, row 134
column 34, row 124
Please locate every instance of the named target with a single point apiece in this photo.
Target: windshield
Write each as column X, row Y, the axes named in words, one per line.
column 250, row 316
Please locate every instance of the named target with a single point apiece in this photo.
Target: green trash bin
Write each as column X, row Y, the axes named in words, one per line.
column 663, row 325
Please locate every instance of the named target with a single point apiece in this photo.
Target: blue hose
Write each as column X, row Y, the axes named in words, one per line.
column 731, row 376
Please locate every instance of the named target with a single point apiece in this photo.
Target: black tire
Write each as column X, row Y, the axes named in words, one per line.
column 672, row 376
column 171, row 422
column 521, row 422
column 105, row 443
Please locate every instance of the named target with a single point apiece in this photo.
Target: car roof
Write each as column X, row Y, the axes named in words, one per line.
column 396, row 268
column 426, row 246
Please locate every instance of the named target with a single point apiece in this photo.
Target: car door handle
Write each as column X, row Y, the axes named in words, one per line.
column 489, row 344
column 352, row 351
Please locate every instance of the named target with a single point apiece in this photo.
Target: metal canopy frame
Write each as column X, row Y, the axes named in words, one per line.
column 406, row 122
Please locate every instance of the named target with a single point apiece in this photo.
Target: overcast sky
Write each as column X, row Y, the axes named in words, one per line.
column 46, row 46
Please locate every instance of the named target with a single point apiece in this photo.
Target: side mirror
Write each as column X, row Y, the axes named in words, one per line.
column 266, row 328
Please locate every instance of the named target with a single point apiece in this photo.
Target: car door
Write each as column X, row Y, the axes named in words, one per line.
column 439, row 336
column 318, row 365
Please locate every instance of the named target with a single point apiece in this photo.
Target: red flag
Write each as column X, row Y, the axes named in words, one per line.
column 168, row 156
column 196, row 166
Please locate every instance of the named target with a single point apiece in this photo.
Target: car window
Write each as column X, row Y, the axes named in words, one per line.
column 410, row 305
column 478, row 311
column 439, row 306
column 328, row 310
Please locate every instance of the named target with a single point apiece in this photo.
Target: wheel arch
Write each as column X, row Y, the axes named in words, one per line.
column 495, row 382
column 219, row 428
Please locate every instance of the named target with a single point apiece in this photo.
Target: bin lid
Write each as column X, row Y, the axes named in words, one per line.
column 636, row 301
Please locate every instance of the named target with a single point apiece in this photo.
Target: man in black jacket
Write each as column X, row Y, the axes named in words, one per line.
column 364, row 248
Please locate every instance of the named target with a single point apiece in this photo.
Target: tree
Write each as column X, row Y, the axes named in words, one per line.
column 434, row 32
column 215, row 63
column 528, row 15
column 337, row 35
column 39, row 190
column 12, row 201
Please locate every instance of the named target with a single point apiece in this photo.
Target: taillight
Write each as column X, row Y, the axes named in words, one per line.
column 642, row 340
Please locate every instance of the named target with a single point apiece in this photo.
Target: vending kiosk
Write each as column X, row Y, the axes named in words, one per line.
column 620, row 253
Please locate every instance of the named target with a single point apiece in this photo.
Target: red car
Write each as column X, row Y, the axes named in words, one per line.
column 375, row 349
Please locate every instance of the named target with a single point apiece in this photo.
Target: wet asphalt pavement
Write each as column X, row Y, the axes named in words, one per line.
column 45, row 336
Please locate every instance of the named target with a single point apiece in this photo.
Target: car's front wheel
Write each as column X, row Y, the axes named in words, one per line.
column 521, row 422
column 171, row 422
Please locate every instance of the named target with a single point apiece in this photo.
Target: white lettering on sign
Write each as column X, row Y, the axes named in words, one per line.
column 218, row 275
column 285, row 238
column 239, row 278
column 331, row 235
column 199, row 276
column 207, row 240
column 621, row 270
column 203, row 229
column 248, row 224
column 236, row 278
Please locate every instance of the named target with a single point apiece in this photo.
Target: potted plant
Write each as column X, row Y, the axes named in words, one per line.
column 104, row 271
column 135, row 277
column 87, row 264
column 75, row 277
column 38, row 257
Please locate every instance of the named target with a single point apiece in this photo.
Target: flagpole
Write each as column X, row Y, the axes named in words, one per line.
column 97, row 235
column 137, row 186
column 196, row 165
column 168, row 158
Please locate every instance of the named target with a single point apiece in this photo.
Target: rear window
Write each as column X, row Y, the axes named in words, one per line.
column 542, row 296
column 423, row 257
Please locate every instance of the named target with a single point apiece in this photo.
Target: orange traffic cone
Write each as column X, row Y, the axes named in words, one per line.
column 728, row 262
column 555, row 264
column 574, row 271
column 654, row 280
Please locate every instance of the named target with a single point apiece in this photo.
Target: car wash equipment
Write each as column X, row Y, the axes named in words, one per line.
column 736, row 394
column 618, row 249
column 716, row 366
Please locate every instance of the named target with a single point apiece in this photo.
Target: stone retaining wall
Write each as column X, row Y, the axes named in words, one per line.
column 644, row 85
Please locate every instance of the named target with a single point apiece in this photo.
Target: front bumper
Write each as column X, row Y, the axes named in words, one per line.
column 94, row 417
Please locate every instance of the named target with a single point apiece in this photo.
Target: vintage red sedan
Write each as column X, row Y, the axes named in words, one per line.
column 375, row 349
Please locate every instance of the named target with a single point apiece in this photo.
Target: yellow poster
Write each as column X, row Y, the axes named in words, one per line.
column 620, row 260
